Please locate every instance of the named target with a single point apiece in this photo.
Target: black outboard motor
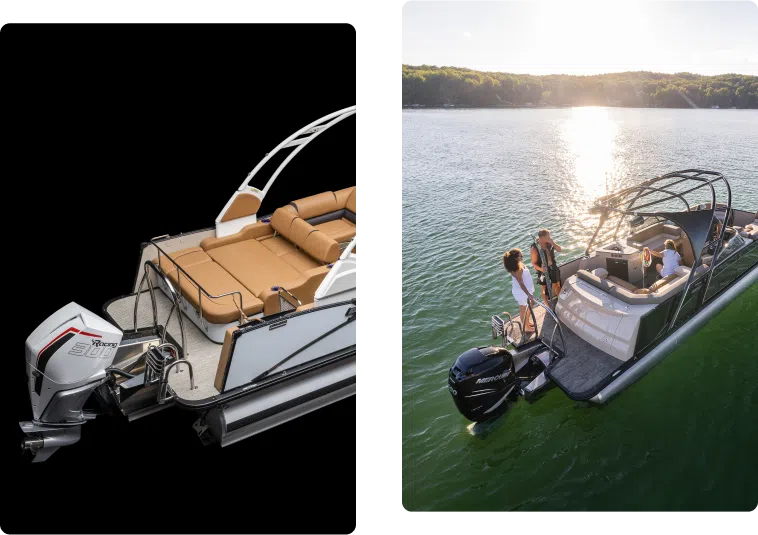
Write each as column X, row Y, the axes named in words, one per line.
column 480, row 380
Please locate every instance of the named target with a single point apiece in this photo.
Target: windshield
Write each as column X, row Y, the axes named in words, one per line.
column 735, row 244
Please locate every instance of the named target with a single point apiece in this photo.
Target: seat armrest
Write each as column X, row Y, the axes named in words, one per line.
column 304, row 288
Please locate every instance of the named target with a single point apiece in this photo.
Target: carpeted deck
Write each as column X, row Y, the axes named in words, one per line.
column 201, row 351
column 584, row 365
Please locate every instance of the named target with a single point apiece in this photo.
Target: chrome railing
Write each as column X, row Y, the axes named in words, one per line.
column 153, row 366
column 163, row 387
column 504, row 329
column 200, row 290
column 175, row 304
column 529, row 304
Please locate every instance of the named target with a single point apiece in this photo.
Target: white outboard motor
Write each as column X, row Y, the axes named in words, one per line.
column 66, row 358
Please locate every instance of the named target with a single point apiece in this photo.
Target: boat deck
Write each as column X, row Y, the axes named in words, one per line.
column 200, row 351
column 584, row 365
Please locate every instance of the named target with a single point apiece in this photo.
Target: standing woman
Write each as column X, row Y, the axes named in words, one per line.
column 523, row 285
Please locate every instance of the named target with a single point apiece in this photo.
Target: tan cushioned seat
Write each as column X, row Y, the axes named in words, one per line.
column 340, row 230
column 301, row 233
column 248, row 232
column 350, row 205
column 185, row 258
column 215, row 280
column 625, row 295
column 315, row 205
column 254, row 265
column 277, row 245
column 648, row 233
column 342, row 197
column 657, row 285
column 303, row 287
column 620, row 282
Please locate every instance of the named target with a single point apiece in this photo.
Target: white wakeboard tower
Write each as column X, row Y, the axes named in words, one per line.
column 242, row 207
column 271, row 333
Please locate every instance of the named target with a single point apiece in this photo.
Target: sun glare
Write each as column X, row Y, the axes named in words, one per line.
column 590, row 135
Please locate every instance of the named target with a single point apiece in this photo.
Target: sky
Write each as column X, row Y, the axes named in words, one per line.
column 711, row 37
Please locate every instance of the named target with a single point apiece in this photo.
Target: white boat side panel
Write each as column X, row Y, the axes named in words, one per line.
column 258, row 350
column 214, row 331
column 600, row 319
column 676, row 338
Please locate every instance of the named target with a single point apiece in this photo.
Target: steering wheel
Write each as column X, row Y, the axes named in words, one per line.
column 647, row 258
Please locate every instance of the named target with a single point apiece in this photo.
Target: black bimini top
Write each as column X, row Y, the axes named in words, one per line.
column 695, row 222
column 639, row 200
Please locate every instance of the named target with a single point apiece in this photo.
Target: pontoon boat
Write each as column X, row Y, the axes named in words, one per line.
column 250, row 323
column 614, row 318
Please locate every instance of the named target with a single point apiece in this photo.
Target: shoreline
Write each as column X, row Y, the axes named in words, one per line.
column 429, row 107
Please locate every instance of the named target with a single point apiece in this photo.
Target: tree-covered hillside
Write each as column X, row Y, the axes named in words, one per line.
column 440, row 86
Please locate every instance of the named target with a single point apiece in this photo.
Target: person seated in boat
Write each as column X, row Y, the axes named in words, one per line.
column 522, row 285
column 752, row 227
column 671, row 259
column 549, row 246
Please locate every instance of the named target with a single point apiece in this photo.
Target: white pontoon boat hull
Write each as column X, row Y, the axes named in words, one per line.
column 640, row 368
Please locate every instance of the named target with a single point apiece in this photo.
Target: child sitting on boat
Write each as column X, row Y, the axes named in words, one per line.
column 671, row 259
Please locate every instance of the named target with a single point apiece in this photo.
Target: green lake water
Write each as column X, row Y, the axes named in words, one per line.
column 475, row 183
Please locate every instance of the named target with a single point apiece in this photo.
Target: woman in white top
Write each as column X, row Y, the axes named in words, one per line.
column 523, row 285
column 671, row 259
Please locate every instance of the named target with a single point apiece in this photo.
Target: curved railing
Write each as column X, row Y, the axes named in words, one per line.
column 200, row 290
column 175, row 303
column 529, row 304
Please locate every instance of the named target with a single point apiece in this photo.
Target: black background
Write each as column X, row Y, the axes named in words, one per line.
column 118, row 133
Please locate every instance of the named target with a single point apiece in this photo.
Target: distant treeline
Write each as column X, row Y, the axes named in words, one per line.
column 427, row 85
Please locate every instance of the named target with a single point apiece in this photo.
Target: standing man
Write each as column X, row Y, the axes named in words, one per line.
column 549, row 246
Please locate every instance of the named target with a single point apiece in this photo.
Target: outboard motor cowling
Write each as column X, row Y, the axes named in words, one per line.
column 480, row 381
column 66, row 359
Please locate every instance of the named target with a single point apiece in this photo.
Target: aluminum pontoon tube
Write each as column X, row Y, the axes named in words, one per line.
column 676, row 338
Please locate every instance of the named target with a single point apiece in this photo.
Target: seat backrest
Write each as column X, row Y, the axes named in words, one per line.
column 301, row 233
column 316, row 205
column 647, row 233
column 327, row 206
column 672, row 285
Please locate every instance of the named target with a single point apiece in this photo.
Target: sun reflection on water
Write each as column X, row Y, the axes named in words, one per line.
column 590, row 139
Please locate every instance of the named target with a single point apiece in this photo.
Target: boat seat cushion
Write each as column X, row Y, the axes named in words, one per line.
column 600, row 272
column 249, row 232
column 254, row 265
column 620, row 282
column 340, row 230
column 327, row 206
column 299, row 232
column 184, row 258
column 215, row 280
column 303, row 287
column 316, row 205
column 661, row 292
column 640, row 238
column 657, row 285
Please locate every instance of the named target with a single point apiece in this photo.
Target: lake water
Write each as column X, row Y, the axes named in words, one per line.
column 475, row 183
